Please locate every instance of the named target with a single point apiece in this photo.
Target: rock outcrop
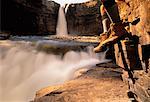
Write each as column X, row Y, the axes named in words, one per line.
column 95, row 85
column 84, row 18
column 138, row 11
column 133, row 9
column 29, row 16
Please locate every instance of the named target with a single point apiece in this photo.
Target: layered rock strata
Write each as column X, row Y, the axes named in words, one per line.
column 137, row 12
column 29, row 16
column 84, row 18
column 99, row 84
column 131, row 10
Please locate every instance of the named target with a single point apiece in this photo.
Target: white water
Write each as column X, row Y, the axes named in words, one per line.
column 63, row 2
column 23, row 72
column 61, row 29
column 66, row 8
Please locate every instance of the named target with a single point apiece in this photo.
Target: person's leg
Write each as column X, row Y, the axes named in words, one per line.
column 105, row 24
column 112, row 9
column 117, row 28
column 105, row 19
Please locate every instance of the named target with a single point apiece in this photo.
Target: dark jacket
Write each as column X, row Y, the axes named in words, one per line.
column 108, row 3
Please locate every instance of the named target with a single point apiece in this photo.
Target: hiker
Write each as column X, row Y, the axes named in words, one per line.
column 109, row 11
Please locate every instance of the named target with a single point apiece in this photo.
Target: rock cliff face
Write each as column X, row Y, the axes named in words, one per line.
column 40, row 17
column 84, row 19
column 29, row 16
column 133, row 9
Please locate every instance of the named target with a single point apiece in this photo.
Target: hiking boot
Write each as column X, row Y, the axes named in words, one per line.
column 117, row 32
column 102, row 38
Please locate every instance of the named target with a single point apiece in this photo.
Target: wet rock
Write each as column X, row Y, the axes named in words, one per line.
column 29, row 16
column 4, row 36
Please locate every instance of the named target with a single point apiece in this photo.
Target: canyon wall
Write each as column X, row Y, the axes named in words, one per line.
column 29, row 16
column 84, row 19
column 40, row 17
column 137, row 9
column 25, row 17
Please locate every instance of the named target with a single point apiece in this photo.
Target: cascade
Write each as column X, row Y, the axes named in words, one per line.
column 61, row 29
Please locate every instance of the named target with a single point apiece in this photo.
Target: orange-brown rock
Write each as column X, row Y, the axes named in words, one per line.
column 133, row 9
column 95, row 85
column 139, row 54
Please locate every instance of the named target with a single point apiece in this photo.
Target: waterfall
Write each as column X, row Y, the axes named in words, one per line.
column 61, row 29
column 66, row 8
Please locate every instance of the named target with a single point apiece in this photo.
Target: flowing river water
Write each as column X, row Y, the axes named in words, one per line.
column 24, row 69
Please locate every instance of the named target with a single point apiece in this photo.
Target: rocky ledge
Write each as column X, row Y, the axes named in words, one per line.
column 101, row 83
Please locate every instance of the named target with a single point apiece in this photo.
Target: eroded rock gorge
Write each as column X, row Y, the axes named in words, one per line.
column 29, row 16
column 40, row 17
column 84, row 19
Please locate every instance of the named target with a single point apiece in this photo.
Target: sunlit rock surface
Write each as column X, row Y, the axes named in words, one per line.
column 29, row 17
column 99, row 84
column 133, row 9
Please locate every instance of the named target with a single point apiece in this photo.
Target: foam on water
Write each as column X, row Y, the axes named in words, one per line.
column 23, row 71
